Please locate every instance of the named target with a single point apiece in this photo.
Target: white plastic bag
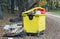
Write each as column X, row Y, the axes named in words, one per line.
column 10, row 38
column 7, row 27
column 38, row 12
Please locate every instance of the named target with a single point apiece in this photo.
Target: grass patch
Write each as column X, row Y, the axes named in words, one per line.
column 57, row 12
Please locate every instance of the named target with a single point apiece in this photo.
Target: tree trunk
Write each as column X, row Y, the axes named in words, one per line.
column 1, row 16
column 12, row 6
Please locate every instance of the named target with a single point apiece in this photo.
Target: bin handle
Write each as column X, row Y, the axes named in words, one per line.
column 33, row 10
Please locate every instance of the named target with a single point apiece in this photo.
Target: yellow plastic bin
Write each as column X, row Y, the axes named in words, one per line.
column 36, row 23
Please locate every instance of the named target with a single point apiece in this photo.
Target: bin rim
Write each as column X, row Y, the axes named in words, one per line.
column 34, row 15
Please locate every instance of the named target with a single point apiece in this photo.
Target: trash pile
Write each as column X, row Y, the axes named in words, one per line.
column 14, row 28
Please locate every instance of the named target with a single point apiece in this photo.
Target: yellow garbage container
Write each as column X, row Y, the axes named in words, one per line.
column 34, row 23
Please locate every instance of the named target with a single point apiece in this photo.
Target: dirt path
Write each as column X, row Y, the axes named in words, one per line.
column 53, row 27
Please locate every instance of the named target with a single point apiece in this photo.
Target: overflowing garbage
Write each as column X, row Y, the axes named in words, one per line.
column 38, row 11
column 30, row 23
